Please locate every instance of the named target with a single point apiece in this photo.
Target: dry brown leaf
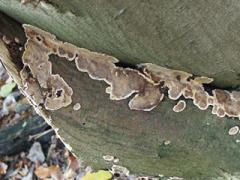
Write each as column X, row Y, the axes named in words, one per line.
column 3, row 168
column 36, row 153
column 73, row 163
column 46, row 172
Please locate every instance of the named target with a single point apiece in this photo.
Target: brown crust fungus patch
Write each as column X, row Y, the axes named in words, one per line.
column 183, row 84
column 180, row 106
column 146, row 83
column 180, row 83
column 226, row 103
column 39, row 83
column 77, row 106
column 123, row 82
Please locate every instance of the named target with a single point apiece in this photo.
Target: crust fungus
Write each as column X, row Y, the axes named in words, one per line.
column 179, row 84
column 39, row 82
column 180, row 106
column 123, row 81
column 233, row 130
column 146, row 83
column 59, row 94
column 226, row 103
column 108, row 158
column 77, row 106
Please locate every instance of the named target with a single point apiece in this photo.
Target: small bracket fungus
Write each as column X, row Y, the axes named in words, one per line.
column 108, row 158
column 233, row 131
column 146, row 83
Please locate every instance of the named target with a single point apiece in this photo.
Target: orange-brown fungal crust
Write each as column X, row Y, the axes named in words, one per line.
column 146, row 83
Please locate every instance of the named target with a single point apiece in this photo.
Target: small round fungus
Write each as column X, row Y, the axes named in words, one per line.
column 180, row 106
column 233, row 131
column 77, row 106
column 167, row 142
column 108, row 158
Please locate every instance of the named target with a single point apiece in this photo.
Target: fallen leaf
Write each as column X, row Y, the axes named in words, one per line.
column 69, row 174
column 36, row 153
column 3, row 168
column 46, row 172
column 6, row 89
column 100, row 175
column 73, row 163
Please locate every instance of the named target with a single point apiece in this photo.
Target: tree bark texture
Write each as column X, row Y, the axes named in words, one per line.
column 200, row 37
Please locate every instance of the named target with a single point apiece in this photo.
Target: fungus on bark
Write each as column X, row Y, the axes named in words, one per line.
column 180, row 106
column 123, row 81
column 146, row 83
column 39, row 82
column 233, row 130
column 77, row 106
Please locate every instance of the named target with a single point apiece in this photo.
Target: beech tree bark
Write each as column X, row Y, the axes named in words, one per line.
column 200, row 37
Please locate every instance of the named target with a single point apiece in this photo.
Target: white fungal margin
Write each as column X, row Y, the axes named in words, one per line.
column 145, row 83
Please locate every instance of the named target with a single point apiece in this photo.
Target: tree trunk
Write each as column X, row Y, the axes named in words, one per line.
column 200, row 37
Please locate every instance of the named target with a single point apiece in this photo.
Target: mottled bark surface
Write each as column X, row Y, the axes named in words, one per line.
column 201, row 37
